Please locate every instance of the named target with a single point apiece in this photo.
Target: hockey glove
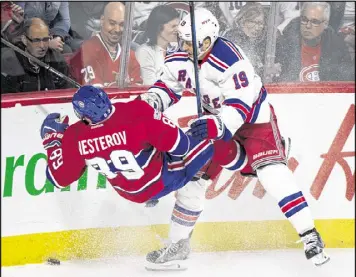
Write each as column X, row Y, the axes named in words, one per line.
column 151, row 203
column 52, row 130
column 208, row 127
column 153, row 99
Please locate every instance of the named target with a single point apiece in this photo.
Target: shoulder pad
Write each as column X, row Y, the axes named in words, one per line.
column 176, row 56
column 225, row 53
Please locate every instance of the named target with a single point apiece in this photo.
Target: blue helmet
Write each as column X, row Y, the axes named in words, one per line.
column 92, row 104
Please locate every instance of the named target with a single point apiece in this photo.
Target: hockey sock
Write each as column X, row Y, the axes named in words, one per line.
column 187, row 209
column 279, row 182
column 182, row 223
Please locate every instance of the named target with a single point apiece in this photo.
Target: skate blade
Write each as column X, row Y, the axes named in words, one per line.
column 168, row 266
column 320, row 259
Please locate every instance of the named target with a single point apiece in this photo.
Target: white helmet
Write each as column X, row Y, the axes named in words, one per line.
column 206, row 25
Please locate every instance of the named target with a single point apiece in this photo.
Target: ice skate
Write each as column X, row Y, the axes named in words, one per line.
column 314, row 247
column 169, row 258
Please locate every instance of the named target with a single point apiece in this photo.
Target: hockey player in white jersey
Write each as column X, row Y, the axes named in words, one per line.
column 237, row 109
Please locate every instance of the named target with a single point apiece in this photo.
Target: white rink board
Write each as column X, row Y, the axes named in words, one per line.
column 311, row 120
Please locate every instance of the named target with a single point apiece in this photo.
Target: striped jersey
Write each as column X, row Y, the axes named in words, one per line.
column 229, row 85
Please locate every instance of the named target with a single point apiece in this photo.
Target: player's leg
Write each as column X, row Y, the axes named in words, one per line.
column 179, row 175
column 280, row 183
column 189, row 206
column 187, row 209
column 267, row 158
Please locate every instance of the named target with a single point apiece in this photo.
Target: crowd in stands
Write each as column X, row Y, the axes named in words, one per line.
column 315, row 41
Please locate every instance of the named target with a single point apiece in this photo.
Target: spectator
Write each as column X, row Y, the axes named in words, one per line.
column 98, row 60
column 349, row 15
column 337, row 11
column 348, row 33
column 12, row 16
column 85, row 17
column 287, row 12
column 161, row 32
column 142, row 11
column 56, row 16
column 309, row 50
column 229, row 11
column 249, row 32
column 19, row 74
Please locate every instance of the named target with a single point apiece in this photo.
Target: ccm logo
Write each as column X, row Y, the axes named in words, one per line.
column 264, row 153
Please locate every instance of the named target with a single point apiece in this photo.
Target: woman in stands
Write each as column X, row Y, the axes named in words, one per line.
column 249, row 32
column 161, row 34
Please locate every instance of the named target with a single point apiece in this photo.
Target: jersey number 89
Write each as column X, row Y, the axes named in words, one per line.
column 122, row 161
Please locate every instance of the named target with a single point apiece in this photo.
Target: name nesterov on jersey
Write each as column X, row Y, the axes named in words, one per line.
column 89, row 146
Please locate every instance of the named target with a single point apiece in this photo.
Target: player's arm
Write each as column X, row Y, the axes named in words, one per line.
column 162, row 133
column 166, row 91
column 238, row 86
column 64, row 162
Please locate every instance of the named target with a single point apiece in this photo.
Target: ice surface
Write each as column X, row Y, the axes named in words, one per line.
column 277, row 263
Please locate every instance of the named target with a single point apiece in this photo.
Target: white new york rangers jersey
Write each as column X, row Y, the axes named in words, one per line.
column 228, row 83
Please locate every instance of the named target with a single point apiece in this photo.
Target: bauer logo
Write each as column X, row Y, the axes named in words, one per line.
column 264, row 153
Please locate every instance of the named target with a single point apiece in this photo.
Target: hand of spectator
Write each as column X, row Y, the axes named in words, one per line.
column 350, row 35
column 56, row 44
column 17, row 13
column 273, row 70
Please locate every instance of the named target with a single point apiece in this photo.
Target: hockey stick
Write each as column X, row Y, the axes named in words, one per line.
column 195, row 59
column 152, row 203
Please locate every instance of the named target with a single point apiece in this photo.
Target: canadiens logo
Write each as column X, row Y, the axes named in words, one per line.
column 81, row 104
column 310, row 73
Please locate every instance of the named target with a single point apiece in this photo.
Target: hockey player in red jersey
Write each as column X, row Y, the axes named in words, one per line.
column 238, row 110
column 142, row 153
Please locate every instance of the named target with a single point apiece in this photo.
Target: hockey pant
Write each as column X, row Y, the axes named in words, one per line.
column 177, row 172
column 266, row 158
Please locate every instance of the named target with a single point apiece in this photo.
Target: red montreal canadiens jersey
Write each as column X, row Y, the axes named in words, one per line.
column 127, row 148
column 93, row 65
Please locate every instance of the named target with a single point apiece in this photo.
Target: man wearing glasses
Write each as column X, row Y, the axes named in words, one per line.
column 20, row 74
column 310, row 50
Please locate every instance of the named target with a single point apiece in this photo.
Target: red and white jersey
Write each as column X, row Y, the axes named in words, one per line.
column 93, row 64
column 127, row 148
column 228, row 84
